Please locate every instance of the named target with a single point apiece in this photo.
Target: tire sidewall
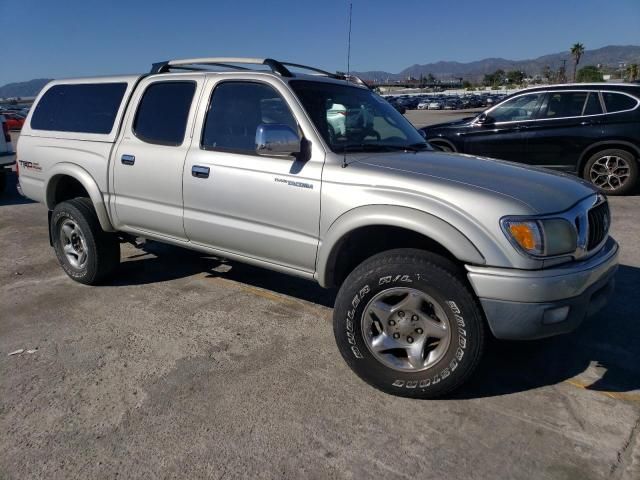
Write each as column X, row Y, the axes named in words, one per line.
column 63, row 212
column 462, row 315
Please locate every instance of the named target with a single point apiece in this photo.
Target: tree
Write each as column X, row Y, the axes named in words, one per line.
column 515, row 76
column 547, row 74
column 494, row 79
column 632, row 72
column 577, row 50
column 589, row 73
column 431, row 79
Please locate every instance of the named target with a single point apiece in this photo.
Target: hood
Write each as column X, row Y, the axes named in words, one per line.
column 543, row 191
column 456, row 123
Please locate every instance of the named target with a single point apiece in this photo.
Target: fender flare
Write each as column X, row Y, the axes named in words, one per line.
column 89, row 184
column 393, row 216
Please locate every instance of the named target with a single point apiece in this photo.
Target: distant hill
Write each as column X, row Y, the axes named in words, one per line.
column 23, row 89
column 610, row 56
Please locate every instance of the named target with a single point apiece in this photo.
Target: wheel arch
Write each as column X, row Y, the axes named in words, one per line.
column 435, row 140
column 370, row 227
column 68, row 174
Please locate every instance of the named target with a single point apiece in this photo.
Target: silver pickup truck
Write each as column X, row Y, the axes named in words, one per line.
column 314, row 175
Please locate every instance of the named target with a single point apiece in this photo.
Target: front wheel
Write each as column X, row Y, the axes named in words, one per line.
column 87, row 253
column 407, row 324
column 613, row 171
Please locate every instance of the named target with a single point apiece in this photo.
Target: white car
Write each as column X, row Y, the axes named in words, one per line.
column 435, row 105
column 423, row 105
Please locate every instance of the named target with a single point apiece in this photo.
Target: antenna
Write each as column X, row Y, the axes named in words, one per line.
column 349, row 41
column 344, row 157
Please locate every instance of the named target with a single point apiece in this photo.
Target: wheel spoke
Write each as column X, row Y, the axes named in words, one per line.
column 384, row 342
column 67, row 231
column 415, row 354
column 412, row 301
column 69, row 250
column 381, row 310
column 434, row 328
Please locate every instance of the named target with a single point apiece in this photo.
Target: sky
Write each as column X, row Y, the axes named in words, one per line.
column 66, row 38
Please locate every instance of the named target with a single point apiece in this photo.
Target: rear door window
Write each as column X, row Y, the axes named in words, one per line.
column 593, row 105
column 163, row 112
column 565, row 104
column 81, row 107
column 617, row 102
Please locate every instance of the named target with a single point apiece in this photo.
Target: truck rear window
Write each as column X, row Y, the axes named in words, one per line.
column 81, row 107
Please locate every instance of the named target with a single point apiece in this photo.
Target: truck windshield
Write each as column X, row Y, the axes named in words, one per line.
column 353, row 119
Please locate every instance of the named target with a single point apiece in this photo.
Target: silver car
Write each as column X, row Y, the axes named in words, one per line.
column 431, row 253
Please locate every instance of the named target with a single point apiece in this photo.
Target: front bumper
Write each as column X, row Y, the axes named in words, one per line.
column 523, row 305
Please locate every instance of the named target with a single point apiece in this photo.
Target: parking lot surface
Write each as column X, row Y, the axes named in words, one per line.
column 187, row 366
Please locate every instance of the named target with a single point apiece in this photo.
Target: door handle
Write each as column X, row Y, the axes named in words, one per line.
column 199, row 171
column 128, row 159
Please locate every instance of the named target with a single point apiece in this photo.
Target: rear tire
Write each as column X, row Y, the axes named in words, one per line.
column 443, row 147
column 406, row 323
column 613, row 171
column 87, row 253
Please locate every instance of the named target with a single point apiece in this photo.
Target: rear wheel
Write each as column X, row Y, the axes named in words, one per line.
column 613, row 171
column 406, row 323
column 87, row 253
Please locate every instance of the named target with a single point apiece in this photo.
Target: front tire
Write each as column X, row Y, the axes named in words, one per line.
column 406, row 323
column 613, row 171
column 87, row 253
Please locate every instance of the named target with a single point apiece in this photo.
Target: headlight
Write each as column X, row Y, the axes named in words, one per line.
column 546, row 237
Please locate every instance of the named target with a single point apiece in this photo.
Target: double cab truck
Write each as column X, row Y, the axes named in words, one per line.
column 430, row 252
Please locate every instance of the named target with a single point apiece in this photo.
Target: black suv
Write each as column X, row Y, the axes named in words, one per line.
column 592, row 130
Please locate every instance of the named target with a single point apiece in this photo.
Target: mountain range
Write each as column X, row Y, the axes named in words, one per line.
column 611, row 56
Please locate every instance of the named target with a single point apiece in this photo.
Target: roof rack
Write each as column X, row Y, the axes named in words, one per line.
column 235, row 63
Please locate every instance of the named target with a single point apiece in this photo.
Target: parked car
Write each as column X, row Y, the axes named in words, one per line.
column 590, row 130
column 452, row 104
column 435, row 105
column 429, row 251
column 400, row 108
column 14, row 120
column 6, row 152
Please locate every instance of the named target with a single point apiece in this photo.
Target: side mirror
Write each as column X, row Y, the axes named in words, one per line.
column 275, row 139
column 423, row 133
column 485, row 119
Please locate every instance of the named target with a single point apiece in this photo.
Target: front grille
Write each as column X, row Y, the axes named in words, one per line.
column 599, row 221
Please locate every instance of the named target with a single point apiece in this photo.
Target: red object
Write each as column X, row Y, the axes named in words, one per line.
column 14, row 122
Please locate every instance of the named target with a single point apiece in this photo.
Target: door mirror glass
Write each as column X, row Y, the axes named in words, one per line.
column 485, row 119
column 277, row 139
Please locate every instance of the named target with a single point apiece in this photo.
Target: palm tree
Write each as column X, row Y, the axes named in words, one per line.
column 577, row 50
column 632, row 70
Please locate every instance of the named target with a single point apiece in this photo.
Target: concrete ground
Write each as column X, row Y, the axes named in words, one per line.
column 186, row 366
